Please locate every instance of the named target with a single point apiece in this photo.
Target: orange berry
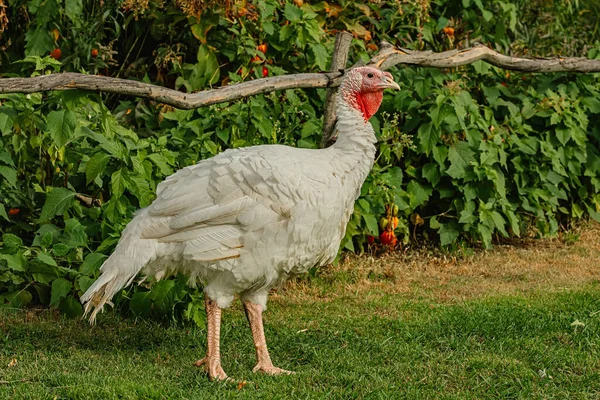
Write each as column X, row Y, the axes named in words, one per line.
column 14, row 211
column 94, row 53
column 388, row 238
column 372, row 47
column 56, row 53
column 395, row 222
column 55, row 34
column 299, row 3
column 449, row 31
column 262, row 48
column 265, row 72
column 256, row 59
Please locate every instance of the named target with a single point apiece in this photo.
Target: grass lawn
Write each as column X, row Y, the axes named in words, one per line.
column 516, row 322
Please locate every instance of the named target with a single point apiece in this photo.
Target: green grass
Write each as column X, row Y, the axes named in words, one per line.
column 388, row 346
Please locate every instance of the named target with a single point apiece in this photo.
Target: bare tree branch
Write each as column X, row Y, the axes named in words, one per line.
column 72, row 80
column 338, row 62
column 388, row 57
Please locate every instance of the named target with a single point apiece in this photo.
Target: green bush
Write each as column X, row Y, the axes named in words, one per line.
column 469, row 154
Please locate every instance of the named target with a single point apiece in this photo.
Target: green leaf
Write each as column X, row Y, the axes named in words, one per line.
column 394, row 177
column 118, row 184
column 10, row 174
column 460, row 155
column 61, row 125
column 161, row 162
column 321, row 55
column 371, row 222
column 11, row 243
column 418, row 194
column 92, row 263
column 85, row 282
column 46, row 259
column 211, row 147
column 74, row 234
column 466, row 215
column 292, row 13
column 17, row 299
column 448, row 234
column 16, row 262
column 486, row 235
column 6, row 158
column 38, row 42
column 71, row 307
column 113, row 148
column 141, row 303
column 200, row 30
column 563, row 135
column 592, row 103
column 286, row 32
column 161, row 294
column 60, row 289
column 431, row 172
column 95, row 166
column 73, row 9
column 3, row 212
column 140, row 189
column 208, row 71
column 499, row 222
column 61, row 249
column 58, row 200
column 428, row 137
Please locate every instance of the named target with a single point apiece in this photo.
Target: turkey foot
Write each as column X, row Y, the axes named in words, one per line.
column 212, row 361
column 213, row 368
column 270, row 369
column 265, row 365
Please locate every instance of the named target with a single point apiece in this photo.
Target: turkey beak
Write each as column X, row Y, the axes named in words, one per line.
column 387, row 82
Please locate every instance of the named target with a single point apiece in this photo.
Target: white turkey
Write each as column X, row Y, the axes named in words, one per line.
column 244, row 221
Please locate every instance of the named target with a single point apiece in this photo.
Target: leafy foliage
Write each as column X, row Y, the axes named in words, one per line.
column 471, row 154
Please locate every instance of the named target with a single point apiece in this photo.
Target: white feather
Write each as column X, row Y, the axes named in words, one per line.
column 246, row 219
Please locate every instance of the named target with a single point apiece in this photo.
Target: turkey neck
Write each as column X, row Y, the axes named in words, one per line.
column 353, row 153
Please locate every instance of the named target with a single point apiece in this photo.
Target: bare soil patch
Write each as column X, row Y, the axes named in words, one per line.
column 525, row 266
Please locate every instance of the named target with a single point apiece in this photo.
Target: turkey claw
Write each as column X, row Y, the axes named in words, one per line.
column 271, row 370
column 213, row 368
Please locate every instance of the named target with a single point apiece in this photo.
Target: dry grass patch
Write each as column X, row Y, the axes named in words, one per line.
column 525, row 266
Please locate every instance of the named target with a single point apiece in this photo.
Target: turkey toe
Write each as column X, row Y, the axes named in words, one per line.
column 271, row 370
column 213, row 368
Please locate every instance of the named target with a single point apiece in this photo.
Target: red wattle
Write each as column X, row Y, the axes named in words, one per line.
column 368, row 103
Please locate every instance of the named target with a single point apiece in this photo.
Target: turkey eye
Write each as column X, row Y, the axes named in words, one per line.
column 370, row 74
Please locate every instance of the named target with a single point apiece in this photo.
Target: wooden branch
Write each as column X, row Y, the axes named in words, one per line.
column 72, row 80
column 338, row 62
column 389, row 56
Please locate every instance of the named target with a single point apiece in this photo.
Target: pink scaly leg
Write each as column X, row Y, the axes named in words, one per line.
column 254, row 315
column 212, row 361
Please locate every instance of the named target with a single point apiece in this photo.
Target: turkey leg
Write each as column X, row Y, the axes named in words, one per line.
column 254, row 315
column 212, row 361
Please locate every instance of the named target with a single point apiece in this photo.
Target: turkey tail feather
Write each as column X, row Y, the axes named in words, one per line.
column 120, row 269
